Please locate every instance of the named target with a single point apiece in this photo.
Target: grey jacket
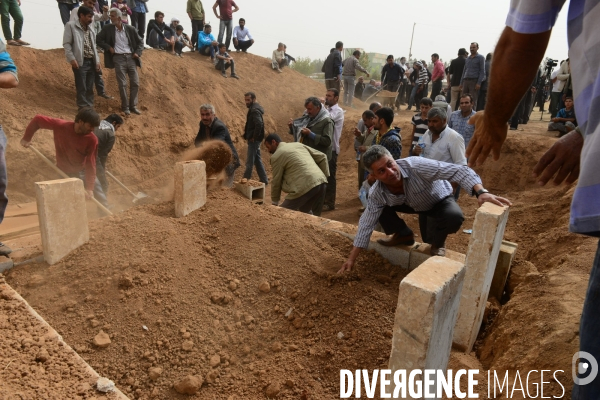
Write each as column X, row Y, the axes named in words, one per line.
column 351, row 64
column 73, row 42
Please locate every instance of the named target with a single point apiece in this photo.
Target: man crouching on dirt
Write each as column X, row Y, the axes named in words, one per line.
column 414, row 185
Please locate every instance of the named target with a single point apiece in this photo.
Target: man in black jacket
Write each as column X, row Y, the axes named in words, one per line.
column 254, row 133
column 212, row 128
column 332, row 67
column 122, row 51
column 106, row 140
column 155, row 34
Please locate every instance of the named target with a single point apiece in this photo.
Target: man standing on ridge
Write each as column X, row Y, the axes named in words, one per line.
column 350, row 65
column 473, row 73
column 123, row 51
column 226, row 10
column 332, row 67
column 195, row 11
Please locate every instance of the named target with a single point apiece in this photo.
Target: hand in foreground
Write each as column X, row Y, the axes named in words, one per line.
column 417, row 150
column 490, row 198
column 305, row 131
column 89, row 194
column 486, row 139
column 25, row 143
column 74, row 64
column 357, row 133
column 291, row 122
column 562, row 160
column 347, row 267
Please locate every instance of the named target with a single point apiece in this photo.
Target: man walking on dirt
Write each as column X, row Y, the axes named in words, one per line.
column 79, row 42
column 76, row 147
column 577, row 154
column 123, row 49
column 299, row 171
column 254, row 133
column 8, row 80
column 414, row 185
column 212, row 128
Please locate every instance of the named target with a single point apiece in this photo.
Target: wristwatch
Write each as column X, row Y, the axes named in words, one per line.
column 480, row 192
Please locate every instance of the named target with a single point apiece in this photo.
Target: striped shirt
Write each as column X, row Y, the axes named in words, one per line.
column 461, row 125
column 423, row 76
column 425, row 185
column 536, row 16
column 420, row 127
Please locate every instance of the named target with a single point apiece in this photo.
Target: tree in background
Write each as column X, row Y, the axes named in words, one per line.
column 364, row 60
column 303, row 65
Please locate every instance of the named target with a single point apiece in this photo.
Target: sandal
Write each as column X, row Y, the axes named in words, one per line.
column 13, row 43
column 22, row 42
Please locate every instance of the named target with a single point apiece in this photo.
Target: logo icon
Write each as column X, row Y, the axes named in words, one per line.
column 584, row 368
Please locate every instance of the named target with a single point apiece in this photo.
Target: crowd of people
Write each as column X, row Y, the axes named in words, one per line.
column 427, row 182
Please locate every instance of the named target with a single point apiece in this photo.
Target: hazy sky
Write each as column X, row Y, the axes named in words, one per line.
column 311, row 27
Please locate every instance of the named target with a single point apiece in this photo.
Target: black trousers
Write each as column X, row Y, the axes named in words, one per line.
column 306, row 202
column 331, row 181
column 436, row 88
column 138, row 21
column 197, row 27
column 436, row 224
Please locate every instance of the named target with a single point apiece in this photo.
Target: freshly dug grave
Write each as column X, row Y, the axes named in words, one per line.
column 34, row 362
column 248, row 311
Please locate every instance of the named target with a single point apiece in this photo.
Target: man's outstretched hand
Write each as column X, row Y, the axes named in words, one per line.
column 486, row 139
column 347, row 267
column 562, row 160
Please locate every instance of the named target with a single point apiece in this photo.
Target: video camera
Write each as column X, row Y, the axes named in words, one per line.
column 550, row 64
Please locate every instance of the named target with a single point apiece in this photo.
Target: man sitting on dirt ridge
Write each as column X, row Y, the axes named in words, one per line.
column 212, row 128
column 76, row 147
column 207, row 44
column 414, row 185
column 565, row 120
column 299, row 171
column 224, row 62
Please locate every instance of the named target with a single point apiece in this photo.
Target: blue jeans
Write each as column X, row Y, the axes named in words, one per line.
column 411, row 100
column 253, row 160
column 3, row 176
column 207, row 50
column 588, row 331
column 222, row 25
column 65, row 11
column 84, row 83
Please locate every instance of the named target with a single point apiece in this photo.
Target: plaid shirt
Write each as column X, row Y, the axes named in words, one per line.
column 425, row 185
column 460, row 124
column 88, row 51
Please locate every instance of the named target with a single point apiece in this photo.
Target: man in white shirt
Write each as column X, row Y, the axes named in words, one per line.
column 337, row 115
column 442, row 143
column 240, row 33
column 559, row 79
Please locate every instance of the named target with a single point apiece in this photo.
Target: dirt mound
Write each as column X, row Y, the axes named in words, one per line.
column 209, row 296
column 216, row 154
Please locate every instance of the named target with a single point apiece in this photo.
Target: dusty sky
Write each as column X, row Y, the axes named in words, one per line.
column 311, row 27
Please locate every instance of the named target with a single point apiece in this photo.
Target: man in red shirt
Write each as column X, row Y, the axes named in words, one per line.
column 436, row 76
column 226, row 8
column 76, row 147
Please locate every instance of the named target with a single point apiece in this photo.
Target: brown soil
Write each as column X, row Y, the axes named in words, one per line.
column 35, row 362
column 216, row 155
column 145, row 268
column 215, row 307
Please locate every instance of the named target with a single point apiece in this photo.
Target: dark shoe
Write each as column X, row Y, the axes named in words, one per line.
column 328, row 207
column 237, row 50
column 245, row 51
column 127, row 112
column 438, row 251
column 397, row 240
column 223, row 74
column 136, row 111
column 235, row 76
column 4, row 249
column 513, row 129
column 104, row 95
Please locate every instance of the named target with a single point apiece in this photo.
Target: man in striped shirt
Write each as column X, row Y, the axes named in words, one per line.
column 421, row 83
column 577, row 154
column 414, row 185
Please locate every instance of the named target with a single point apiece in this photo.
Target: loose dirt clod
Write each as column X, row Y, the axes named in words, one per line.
column 155, row 373
column 188, row 385
column 101, row 340
column 273, row 390
column 264, row 287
